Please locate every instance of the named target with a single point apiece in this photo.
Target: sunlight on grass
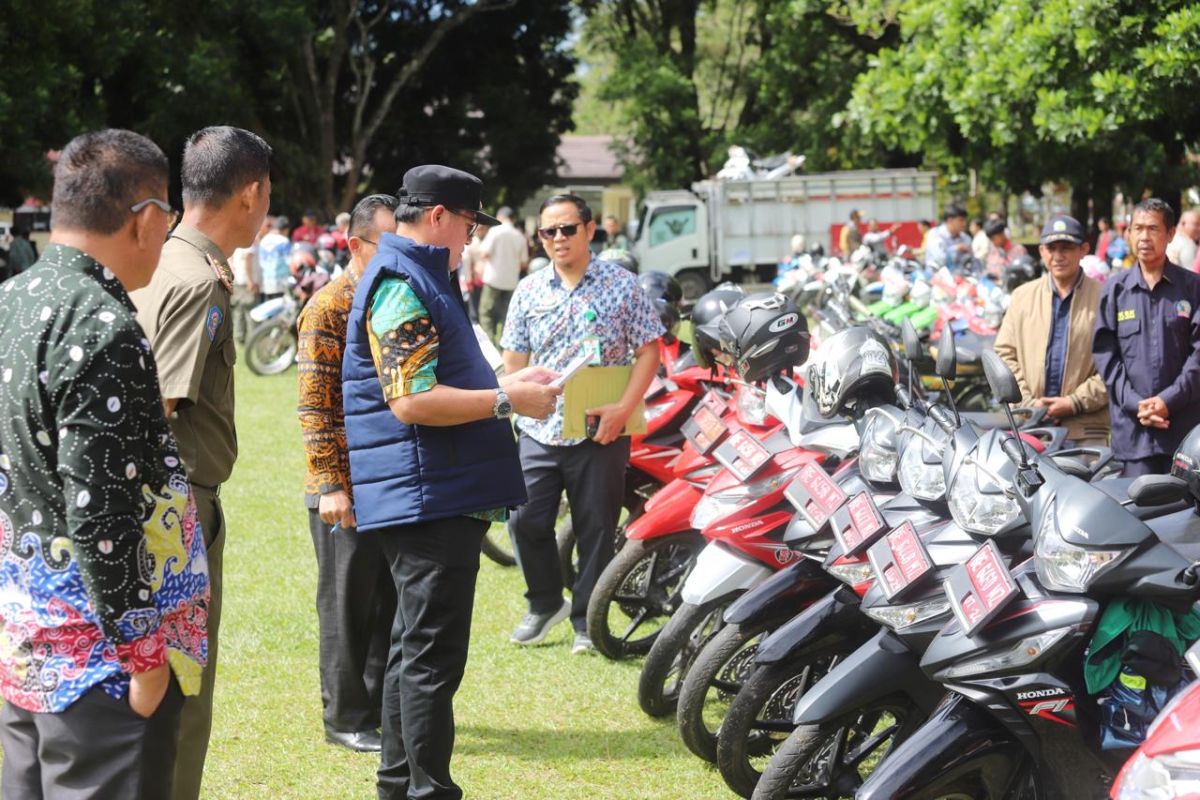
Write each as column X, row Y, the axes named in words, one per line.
column 531, row 723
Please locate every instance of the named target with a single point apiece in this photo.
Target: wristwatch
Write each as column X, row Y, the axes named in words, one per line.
column 502, row 408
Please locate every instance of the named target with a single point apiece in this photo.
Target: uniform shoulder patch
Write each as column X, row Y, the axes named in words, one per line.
column 212, row 321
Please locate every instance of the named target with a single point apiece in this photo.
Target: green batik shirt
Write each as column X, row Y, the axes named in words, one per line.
column 404, row 346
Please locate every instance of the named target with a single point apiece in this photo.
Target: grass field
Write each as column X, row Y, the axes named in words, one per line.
column 531, row 723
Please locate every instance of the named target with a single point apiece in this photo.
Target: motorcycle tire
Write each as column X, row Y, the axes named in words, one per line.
column 714, row 680
column 498, row 546
column 271, row 349
column 682, row 638
column 642, row 583
column 810, row 762
column 564, row 537
column 760, row 717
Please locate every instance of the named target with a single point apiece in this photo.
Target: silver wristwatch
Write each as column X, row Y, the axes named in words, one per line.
column 502, row 409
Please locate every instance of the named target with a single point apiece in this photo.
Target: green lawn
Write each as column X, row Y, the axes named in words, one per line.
column 531, row 723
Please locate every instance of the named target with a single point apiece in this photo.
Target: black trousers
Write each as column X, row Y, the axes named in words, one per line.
column 434, row 566
column 97, row 749
column 1152, row 465
column 593, row 476
column 356, row 604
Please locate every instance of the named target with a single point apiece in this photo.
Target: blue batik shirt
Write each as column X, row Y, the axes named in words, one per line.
column 550, row 322
column 1060, row 331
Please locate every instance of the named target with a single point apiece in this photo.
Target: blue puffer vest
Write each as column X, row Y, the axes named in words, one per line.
column 404, row 474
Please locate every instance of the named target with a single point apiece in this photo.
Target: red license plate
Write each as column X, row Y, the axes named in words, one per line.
column 814, row 494
column 899, row 560
column 743, row 455
column 858, row 524
column 980, row 588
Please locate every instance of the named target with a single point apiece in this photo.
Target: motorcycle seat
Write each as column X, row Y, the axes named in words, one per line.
column 1118, row 489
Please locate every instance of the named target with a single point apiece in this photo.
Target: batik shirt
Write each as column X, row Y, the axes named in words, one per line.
column 550, row 321
column 404, row 347
column 102, row 563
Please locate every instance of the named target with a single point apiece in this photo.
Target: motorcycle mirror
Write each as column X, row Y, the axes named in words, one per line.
column 911, row 340
column 1000, row 379
column 947, row 355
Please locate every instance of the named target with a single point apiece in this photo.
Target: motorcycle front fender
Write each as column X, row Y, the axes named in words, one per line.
column 835, row 616
column 267, row 310
column 882, row 666
column 959, row 740
column 781, row 595
column 720, row 571
column 668, row 511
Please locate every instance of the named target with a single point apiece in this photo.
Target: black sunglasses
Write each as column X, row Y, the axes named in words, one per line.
column 549, row 234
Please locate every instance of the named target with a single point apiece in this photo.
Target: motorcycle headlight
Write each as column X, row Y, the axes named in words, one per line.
column 1022, row 653
column 751, row 405
column 1062, row 566
column 851, row 574
column 1161, row 777
column 897, row 617
column 721, row 504
column 975, row 509
column 923, row 481
column 877, row 456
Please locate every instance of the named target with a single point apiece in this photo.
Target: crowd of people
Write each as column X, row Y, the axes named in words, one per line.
column 117, row 433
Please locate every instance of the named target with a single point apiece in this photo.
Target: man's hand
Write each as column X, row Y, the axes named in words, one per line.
column 542, row 375
column 335, row 508
column 147, row 689
column 1056, row 407
column 1153, row 413
column 612, row 422
column 531, row 399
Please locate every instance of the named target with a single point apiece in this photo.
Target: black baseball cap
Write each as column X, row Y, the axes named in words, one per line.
column 1062, row 228
column 434, row 185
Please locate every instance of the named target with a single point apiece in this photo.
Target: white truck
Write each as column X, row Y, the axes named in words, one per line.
column 735, row 230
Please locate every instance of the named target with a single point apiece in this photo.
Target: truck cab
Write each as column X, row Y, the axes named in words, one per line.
column 673, row 237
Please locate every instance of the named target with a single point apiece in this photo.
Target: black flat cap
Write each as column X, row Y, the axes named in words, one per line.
column 434, row 185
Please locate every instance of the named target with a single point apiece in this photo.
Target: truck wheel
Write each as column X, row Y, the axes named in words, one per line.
column 694, row 283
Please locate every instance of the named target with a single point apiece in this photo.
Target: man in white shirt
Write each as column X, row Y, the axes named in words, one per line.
column 1182, row 249
column 507, row 252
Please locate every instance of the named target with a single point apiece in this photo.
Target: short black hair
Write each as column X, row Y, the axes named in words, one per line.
column 99, row 175
column 219, row 161
column 1153, row 205
column 362, row 218
column 993, row 227
column 407, row 214
column 953, row 210
column 585, row 211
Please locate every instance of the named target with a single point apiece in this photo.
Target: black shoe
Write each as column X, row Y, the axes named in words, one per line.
column 358, row 741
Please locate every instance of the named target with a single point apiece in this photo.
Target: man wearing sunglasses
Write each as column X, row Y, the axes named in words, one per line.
column 580, row 305
column 432, row 461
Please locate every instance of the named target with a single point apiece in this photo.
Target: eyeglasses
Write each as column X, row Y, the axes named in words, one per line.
column 474, row 225
column 163, row 205
column 549, row 234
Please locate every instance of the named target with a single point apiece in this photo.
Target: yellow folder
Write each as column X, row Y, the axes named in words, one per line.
column 594, row 387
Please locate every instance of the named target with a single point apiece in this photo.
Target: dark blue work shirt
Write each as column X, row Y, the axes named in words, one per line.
column 1060, row 331
column 1147, row 343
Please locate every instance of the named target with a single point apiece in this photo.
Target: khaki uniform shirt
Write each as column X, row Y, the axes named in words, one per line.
column 185, row 313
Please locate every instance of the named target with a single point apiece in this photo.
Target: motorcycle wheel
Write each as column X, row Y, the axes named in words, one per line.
column 832, row 759
column 688, row 631
column 760, row 717
column 714, row 680
column 497, row 545
column 564, row 536
column 271, row 349
column 638, row 590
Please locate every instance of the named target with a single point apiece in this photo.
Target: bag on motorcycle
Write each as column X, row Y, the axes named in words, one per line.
column 1151, row 673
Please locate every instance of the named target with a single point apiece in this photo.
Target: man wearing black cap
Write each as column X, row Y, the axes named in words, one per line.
column 1046, row 337
column 433, row 461
column 1147, row 346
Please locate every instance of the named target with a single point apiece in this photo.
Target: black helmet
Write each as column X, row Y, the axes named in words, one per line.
column 765, row 334
column 707, row 314
column 1020, row 270
column 622, row 258
column 1186, row 464
column 855, row 364
column 660, row 286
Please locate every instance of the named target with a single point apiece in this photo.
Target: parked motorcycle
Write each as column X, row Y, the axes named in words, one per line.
column 271, row 345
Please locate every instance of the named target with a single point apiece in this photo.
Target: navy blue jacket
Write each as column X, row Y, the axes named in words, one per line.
column 1147, row 343
column 405, row 474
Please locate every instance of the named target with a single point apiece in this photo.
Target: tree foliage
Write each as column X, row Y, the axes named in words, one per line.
column 350, row 93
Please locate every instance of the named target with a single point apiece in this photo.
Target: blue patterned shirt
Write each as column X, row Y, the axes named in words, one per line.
column 549, row 321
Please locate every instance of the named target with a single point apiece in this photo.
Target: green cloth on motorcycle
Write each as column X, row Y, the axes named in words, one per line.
column 1124, row 617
